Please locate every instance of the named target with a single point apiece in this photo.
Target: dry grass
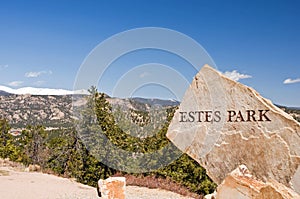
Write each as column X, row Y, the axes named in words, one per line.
column 14, row 165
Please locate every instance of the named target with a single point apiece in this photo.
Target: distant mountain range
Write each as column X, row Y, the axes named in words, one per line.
column 3, row 93
column 286, row 107
column 157, row 101
column 53, row 107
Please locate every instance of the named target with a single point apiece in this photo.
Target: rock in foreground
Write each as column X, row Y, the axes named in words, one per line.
column 222, row 124
column 112, row 188
column 239, row 184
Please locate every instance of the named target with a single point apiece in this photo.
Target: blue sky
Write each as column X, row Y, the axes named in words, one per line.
column 43, row 43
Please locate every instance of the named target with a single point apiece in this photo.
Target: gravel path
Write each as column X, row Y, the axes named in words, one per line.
column 17, row 184
column 145, row 193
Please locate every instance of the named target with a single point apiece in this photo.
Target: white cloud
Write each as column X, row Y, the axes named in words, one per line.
column 291, row 81
column 15, row 83
column 32, row 74
column 37, row 73
column 236, row 76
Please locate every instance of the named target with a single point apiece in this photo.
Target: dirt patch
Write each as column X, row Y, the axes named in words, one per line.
column 28, row 185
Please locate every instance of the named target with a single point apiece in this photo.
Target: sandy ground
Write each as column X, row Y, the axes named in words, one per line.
column 32, row 185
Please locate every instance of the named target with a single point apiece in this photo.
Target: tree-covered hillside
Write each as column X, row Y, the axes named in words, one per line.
column 64, row 152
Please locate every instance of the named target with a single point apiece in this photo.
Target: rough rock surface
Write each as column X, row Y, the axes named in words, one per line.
column 222, row 124
column 112, row 188
column 240, row 184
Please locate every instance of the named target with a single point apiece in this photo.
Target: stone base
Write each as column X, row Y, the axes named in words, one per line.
column 112, row 188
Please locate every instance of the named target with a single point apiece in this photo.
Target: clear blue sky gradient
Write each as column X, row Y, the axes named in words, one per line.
column 258, row 38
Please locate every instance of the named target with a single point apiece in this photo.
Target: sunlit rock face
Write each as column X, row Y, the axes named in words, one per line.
column 240, row 184
column 222, row 124
column 112, row 188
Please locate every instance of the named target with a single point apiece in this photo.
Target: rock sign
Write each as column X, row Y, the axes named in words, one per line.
column 222, row 124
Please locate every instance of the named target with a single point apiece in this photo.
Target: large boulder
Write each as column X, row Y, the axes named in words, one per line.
column 222, row 124
column 240, row 184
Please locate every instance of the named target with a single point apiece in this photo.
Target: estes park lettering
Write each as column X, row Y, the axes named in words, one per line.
column 231, row 116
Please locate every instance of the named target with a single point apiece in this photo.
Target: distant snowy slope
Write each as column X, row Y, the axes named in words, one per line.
column 40, row 91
